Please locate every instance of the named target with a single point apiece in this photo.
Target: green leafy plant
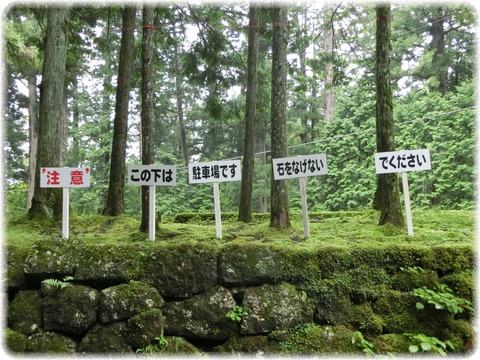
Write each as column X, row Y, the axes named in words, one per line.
column 155, row 347
column 235, row 314
column 58, row 283
column 362, row 343
column 426, row 343
column 442, row 297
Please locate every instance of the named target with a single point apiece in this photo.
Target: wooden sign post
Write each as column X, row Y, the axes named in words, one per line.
column 215, row 172
column 403, row 161
column 152, row 176
column 301, row 167
column 65, row 178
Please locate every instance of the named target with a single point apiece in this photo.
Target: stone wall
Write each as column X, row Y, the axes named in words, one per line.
column 240, row 297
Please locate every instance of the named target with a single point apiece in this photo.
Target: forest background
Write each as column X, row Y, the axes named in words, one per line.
column 199, row 80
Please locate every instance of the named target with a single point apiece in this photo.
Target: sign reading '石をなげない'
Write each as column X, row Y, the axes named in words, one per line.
column 300, row 166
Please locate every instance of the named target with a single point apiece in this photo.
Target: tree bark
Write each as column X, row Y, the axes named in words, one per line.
column 279, row 215
column 179, row 95
column 329, row 92
column 147, row 116
column 32, row 135
column 387, row 197
column 47, row 202
column 437, row 44
column 245, row 210
column 116, row 186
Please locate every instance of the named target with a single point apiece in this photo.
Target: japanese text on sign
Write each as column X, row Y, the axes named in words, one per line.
column 300, row 166
column 64, row 177
column 159, row 175
column 402, row 161
column 215, row 171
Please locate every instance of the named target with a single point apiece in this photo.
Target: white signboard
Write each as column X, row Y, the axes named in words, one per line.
column 402, row 161
column 157, row 175
column 64, row 177
column 300, row 166
column 215, row 171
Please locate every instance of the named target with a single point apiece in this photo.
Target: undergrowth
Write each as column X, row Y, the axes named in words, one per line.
column 343, row 228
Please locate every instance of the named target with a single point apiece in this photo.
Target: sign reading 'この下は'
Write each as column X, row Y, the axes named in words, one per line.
column 158, row 175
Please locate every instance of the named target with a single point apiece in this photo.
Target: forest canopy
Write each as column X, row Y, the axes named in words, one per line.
column 199, row 87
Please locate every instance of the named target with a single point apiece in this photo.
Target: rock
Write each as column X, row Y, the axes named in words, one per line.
column 272, row 307
column 15, row 276
column 118, row 303
column 15, row 342
column 52, row 256
column 109, row 338
column 179, row 271
column 249, row 345
column 46, row 342
column 109, row 264
column 202, row 316
column 333, row 308
column 71, row 310
column 145, row 327
column 25, row 312
column 256, row 264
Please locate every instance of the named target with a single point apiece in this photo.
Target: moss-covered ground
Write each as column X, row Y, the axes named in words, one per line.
column 343, row 228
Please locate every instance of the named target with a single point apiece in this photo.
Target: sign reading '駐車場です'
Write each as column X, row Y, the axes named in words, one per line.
column 214, row 171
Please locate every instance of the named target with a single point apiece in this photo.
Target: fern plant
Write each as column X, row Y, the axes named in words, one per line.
column 58, row 283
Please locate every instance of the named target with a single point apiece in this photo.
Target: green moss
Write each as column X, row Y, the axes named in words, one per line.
column 250, row 345
column 397, row 311
column 25, row 312
column 312, row 339
column 14, row 341
column 410, row 278
column 391, row 344
column 144, row 327
column 50, row 342
column 363, row 318
column 342, row 229
column 462, row 283
column 178, row 345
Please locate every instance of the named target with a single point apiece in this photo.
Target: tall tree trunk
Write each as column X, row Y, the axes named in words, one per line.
column 179, row 95
column 245, row 209
column 147, row 116
column 47, row 202
column 387, row 197
column 32, row 135
column 437, row 44
column 279, row 215
column 329, row 92
column 116, row 186
column 303, row 73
